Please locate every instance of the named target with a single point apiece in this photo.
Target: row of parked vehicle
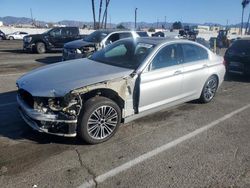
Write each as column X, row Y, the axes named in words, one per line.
column 77, row 46
column 18, row 35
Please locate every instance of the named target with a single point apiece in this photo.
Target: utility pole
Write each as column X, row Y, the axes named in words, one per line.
column 165, row 26
column 31, row 15
column 110, row 21
column 136, row 18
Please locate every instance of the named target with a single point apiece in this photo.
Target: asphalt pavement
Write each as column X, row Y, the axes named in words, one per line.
column 191, row 145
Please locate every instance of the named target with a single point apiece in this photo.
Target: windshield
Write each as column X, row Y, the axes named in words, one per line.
column 47, row 31
column 125, row 53
column 96, row 36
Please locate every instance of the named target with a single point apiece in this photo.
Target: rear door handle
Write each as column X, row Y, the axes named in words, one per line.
column 177, row 72
column 205, row 66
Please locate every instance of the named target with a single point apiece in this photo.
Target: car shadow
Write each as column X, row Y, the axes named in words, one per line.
column 13, row 127
column 16, row 51
column 21, row 51
column 50, row 59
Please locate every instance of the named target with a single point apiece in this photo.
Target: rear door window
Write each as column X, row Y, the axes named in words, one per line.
column 192, row 52
column 125, row 35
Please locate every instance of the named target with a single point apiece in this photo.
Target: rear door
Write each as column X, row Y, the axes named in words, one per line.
column 195, row 68
column 161, row 83
column 69, row 34
column 56, row 37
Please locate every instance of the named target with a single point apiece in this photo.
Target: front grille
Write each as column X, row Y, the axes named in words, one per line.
column 26, row 97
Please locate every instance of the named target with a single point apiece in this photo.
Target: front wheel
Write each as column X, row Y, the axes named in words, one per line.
column 209, row 89
column 11, row 38
column 40, row 47
column 99, row 120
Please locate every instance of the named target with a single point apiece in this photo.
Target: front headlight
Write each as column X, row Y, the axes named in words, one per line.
column 27, row 39
column 78, row 51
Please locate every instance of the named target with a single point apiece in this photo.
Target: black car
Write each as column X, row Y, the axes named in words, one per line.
column 52, row 39
column 237, row 57
column 2, row 35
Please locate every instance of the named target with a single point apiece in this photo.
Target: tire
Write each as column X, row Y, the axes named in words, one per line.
column 99, row 120
column 11, row 38
column 40, row 48
column 209, row 89
column 1, row 38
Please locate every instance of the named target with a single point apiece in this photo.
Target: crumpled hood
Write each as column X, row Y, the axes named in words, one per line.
column 78, row 44
column 58, row 79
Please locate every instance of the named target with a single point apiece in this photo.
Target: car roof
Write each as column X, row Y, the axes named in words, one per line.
column 156, row 40
column 118, row 31
column 245, row 38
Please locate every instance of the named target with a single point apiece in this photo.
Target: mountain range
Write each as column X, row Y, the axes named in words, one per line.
column 10, row 20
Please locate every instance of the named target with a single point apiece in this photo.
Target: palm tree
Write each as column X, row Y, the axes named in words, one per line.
column 93, row 11
column 247, row 26
column 105, row 15
column 100, row 13
column 244, row 4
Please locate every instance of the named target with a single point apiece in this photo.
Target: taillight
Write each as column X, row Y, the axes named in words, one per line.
column 224, row 62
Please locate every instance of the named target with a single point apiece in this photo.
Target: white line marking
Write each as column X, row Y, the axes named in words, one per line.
column 8, row 104
column 14, row 74
column 101, row 178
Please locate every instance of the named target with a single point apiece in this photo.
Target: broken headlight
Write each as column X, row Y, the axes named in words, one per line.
column 68, row 105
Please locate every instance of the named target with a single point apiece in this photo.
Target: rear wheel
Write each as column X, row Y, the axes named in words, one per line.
column 11, row 38
column 209, row 89
column 40, row 47
column 100, row 119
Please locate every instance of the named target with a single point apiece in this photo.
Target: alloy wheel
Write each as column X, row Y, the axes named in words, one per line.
column 102, row 122
column 210, row 88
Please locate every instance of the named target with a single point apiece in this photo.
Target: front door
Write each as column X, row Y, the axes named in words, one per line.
column 161, row 83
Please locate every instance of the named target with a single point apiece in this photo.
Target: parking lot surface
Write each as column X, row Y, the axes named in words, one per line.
column 192, row 145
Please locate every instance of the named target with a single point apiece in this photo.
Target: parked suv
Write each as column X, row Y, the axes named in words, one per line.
column 52, row 39
column 237, row 57
column 95, row 41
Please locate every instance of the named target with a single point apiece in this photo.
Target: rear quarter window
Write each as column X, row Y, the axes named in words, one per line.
column 142, row 34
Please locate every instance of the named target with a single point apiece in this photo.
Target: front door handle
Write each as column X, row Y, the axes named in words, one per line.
column 205, row 66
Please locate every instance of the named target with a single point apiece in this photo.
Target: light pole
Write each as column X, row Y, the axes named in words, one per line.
column 136, row 18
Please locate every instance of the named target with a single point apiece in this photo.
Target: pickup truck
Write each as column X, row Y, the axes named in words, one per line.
column 52, row 39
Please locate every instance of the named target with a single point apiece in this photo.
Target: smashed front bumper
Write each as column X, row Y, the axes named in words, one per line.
column 46, row 123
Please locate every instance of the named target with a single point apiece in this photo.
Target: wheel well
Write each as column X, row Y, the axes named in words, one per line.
column 108, row 93
column 41, row 42
column 217, row 77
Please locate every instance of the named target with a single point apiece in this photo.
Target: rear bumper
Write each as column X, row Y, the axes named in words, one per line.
column 241, row 68
column 46, row 123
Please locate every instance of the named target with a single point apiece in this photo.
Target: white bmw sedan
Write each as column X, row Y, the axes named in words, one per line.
column 126, row 80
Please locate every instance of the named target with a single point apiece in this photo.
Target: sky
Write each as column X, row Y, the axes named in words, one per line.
column 188, row 11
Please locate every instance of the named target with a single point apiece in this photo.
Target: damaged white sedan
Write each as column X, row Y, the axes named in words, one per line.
column 127, row 80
